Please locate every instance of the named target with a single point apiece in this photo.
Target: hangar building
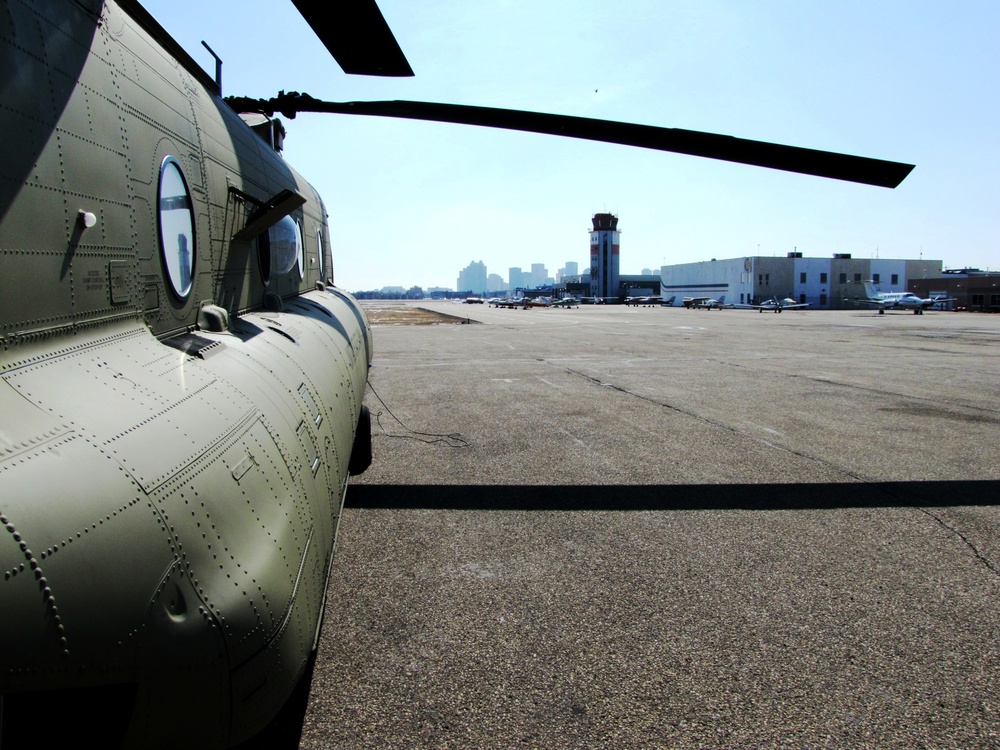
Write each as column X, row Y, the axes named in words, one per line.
column 972, row 289
column 825, row 283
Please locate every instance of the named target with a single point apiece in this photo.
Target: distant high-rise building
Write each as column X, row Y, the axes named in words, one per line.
column 494, row 283
column 570, row 271
column 473, row 278
column 604, row 245
column 517, row 279
column 539, row 274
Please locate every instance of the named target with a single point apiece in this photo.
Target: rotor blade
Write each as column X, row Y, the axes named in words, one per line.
column 695, row 143
column 356, row 34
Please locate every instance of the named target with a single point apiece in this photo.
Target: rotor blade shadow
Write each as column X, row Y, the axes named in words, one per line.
column 618, row 497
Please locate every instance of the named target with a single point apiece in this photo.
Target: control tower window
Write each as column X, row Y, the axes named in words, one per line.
column 177, row 240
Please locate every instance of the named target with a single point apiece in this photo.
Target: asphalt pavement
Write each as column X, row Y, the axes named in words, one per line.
column 612, row 527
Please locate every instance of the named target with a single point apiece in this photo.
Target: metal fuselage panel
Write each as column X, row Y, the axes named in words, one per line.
column 169, row 497
column 92, row 107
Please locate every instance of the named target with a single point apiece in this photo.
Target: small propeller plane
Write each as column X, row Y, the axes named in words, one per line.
column 181, row 387
column 707, row 303
column 512, row 303
column 898, row 300
column 565, row 302
column 777, row 305
column 529, row 302
column 646, row 300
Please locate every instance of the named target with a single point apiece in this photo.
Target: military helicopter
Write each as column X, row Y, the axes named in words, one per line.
column 182, row 382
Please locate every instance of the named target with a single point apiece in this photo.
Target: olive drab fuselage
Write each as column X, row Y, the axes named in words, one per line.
column 181, row 386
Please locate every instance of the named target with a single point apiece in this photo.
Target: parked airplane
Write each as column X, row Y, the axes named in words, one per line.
column 536, row 302
column 777, row 305
column 898, row 300
column 566, row 302
column 707, row 303
column 647, row 300
column 181, row 387
column 524, row 303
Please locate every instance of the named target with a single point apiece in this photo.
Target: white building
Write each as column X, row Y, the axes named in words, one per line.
column 825, row 283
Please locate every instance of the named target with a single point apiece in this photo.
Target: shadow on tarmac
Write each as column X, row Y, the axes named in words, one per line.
column 620, row 497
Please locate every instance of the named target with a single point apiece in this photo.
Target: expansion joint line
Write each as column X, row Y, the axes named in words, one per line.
column 713, row 422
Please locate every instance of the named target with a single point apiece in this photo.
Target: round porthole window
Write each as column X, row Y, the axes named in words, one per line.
column 177, row 240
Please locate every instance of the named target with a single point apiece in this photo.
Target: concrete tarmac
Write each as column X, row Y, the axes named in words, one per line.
column 612, row 527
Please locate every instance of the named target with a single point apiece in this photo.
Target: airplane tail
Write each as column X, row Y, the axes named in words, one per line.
column 722, row 300
column 870, row 290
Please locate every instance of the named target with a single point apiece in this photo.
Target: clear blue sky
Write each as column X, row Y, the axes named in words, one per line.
column 413, row 203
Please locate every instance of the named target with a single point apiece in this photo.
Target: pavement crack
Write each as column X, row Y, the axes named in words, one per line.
column 878, row 392
column 986, row 562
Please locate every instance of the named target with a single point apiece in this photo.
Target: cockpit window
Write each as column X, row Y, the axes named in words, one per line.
column 319, row 251
column 177, row 240
column 300, row 250
column 285, row 241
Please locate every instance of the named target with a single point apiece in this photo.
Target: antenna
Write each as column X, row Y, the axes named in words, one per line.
column 218, row 65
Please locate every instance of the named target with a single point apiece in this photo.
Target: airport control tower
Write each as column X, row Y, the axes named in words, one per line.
column 604, row 241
